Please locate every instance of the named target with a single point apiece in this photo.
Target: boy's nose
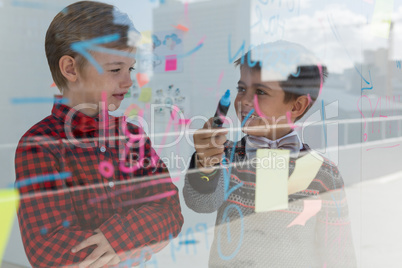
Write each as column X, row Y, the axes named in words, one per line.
column 127, row 82
column 248, row 99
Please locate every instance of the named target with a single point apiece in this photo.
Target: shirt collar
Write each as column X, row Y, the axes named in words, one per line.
column 77, row 120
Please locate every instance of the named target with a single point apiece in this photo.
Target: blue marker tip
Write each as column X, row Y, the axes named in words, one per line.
column 225, row 100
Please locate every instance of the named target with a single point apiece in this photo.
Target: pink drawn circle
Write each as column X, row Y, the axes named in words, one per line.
column 106, row 169
column 365, row 136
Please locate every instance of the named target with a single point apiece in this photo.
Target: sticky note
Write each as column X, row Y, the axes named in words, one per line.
column 271, row 190
column 132, row 110
column 9, row 201
column 146, row 37
column 311, row 207
column 305, row 171
column 146, row 94
column 170, row 63
column 181, row 27
column 128, row 94
column 382, row 16
column 142, row 79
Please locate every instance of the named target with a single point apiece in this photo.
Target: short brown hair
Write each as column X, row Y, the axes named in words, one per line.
column 306, row 82
column 78, row 22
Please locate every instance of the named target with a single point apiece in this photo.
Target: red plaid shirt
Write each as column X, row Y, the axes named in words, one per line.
column 56, row 215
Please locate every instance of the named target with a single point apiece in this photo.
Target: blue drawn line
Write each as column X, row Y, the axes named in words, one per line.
column 38, row 100
column 112, row 51
column 125, row 54
column 398, row 64
column 371, row 83
column 198, row 47
column 188, row 242
column 44, row 230
column 338, row 37
column 226, row 174
column 82, row 47
column 160, row 1
column 224, row 216
column 43, row 178
column 296, row 74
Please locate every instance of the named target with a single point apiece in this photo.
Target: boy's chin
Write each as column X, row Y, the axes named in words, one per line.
column 113, row 106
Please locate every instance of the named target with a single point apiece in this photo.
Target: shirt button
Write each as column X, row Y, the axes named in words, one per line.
column 103, row 149
column 111, row 184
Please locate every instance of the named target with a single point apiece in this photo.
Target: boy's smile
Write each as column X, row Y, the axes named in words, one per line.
column 270, row 97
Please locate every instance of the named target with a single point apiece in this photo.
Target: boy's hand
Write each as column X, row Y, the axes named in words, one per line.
column 103, row 255
column 208, row 144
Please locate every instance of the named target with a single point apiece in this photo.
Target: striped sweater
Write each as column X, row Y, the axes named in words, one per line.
column 244, row 238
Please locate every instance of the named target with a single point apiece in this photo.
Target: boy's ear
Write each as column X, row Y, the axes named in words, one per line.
column 299, row 106
column 68, row 68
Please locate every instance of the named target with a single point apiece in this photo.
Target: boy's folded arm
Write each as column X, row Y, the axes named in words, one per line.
column 203, row 193
column 46, row 215
column 150, row 223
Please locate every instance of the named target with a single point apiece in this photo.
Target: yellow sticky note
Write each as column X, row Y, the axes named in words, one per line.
column 132, row 110
column 146, row 37
column 271, row 190
column 382, row 16
column 146, row 94
column 305, row 171
column 9, row 201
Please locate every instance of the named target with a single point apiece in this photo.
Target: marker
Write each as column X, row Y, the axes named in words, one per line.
column 222, row 109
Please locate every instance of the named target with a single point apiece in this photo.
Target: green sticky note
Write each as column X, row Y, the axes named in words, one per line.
column 9, row 201
column 271, row 190
column 382, row 16
column 146, row 94
column 128, row 94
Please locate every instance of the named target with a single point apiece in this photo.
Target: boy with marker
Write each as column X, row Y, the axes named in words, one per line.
column 279, row 82
column 93, row 190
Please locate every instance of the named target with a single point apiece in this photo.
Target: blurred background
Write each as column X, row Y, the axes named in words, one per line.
column 356, row 122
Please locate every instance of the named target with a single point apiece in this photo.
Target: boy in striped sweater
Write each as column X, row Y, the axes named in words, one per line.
column 271, row 96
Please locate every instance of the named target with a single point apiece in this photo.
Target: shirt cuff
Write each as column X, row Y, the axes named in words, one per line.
column 202, row 182
column 118, row 237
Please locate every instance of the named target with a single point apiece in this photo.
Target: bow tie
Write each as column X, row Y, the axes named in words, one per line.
column 253, row 143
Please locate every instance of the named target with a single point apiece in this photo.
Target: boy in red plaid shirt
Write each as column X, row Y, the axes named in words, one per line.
column 81, row 204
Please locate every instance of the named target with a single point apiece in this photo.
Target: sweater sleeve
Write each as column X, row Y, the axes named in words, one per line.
column 203, row 193
column 334, row 236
